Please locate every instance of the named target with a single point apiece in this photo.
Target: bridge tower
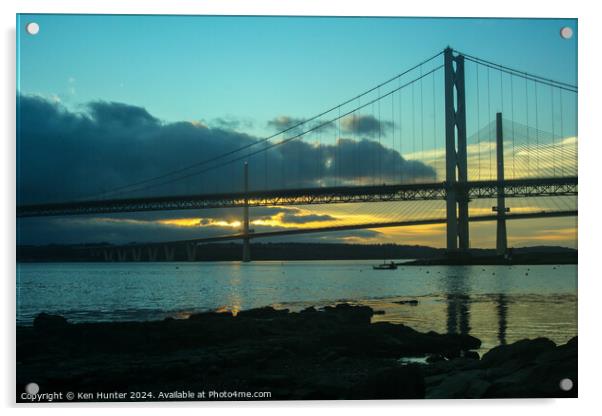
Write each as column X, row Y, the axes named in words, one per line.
column 501, row 235
column 456, row 171
column 246, row 244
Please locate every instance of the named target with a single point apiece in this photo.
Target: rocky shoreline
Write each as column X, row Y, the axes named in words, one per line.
column 332, row 353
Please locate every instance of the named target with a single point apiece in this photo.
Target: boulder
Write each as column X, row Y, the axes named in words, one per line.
column 522, row 351
column 349, row 314
column 403, row 382
column 462, row 385
column 48, row 322
column 262, row 313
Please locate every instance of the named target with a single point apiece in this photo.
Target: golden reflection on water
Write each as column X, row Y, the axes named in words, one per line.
column 234, row 303
column 495, row 319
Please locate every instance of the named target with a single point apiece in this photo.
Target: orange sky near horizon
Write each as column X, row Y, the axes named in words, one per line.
column 560, row 231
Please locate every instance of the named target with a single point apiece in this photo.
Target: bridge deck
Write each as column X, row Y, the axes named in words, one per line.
column 296, row 231
column 513, row 188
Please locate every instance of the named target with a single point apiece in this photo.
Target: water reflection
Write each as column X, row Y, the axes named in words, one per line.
column 501, row 302
column 458, row 314
column 233, row 296
column 502, row 317
column 458, row 303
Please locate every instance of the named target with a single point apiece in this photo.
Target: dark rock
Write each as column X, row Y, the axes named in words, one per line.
column 524, row 369
column 541, row 373
column 522, row 351
column 405, row 382
column 272, row 380
column 379, row 312
column 473, row 355
column 452, row 353
column 262, row 313
column 350, row 314
column 209, row 315
column 462, row 385
column 434, row 358
column 336, row 353
column 48, row 322
column 560, row 354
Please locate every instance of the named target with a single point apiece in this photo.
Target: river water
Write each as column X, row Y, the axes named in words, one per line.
column 497, row 304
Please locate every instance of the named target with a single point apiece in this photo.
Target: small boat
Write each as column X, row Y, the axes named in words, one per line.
column 385, row 266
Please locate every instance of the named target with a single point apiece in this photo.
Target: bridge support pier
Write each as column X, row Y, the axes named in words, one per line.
column 169, row 252
column 456, row 171
column 501, row 244
column 246, row 243
column 121, row 254
column 191, row 251
column 136, row 253
column 246, row 250
column 107, row 254
column 151, row 253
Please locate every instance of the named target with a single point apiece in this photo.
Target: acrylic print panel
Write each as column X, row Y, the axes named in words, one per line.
column 292, row 208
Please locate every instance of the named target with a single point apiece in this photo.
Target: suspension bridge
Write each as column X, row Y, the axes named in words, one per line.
column 398, row 154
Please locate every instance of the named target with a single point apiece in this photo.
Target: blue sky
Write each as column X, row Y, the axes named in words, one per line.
column 255, row 68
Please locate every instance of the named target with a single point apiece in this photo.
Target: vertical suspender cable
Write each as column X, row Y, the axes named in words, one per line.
column 357, row 137
column 392, row 174
column 413, row 131
column 527, row 125
column 380, row 153
column 553, row 133
column 561, row 132
column 434, row 151
column 337, row 144
column 490, row 123
column 421, row 117
column 478, row 123
column 512, row 117
column 401, row 160
column 537, row 132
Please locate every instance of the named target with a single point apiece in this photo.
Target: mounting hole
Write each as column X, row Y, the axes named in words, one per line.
column 566, row 32
column 566, row 384
column 32, row 388
column 32, row 28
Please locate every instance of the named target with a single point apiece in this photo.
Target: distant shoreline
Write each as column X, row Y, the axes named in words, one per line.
column 421, row 255
column 525, row 259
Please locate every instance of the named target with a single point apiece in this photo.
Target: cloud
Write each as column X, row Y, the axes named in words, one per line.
column 296, row 218
column 65, row 155
column 365, row 125
column 284, row 122
column 231, row 123
column 112, row 114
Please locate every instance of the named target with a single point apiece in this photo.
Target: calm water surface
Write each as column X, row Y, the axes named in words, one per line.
column 494, row 303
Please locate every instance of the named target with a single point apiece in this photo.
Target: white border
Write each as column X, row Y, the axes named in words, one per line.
column 590, row 148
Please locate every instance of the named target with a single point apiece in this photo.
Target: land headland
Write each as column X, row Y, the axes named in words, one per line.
column 333, row 353
column 316, row 251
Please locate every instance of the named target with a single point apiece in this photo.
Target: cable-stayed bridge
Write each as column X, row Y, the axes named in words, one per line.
column 398, row 154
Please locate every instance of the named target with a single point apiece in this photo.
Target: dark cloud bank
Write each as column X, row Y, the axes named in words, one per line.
column 65, row 155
